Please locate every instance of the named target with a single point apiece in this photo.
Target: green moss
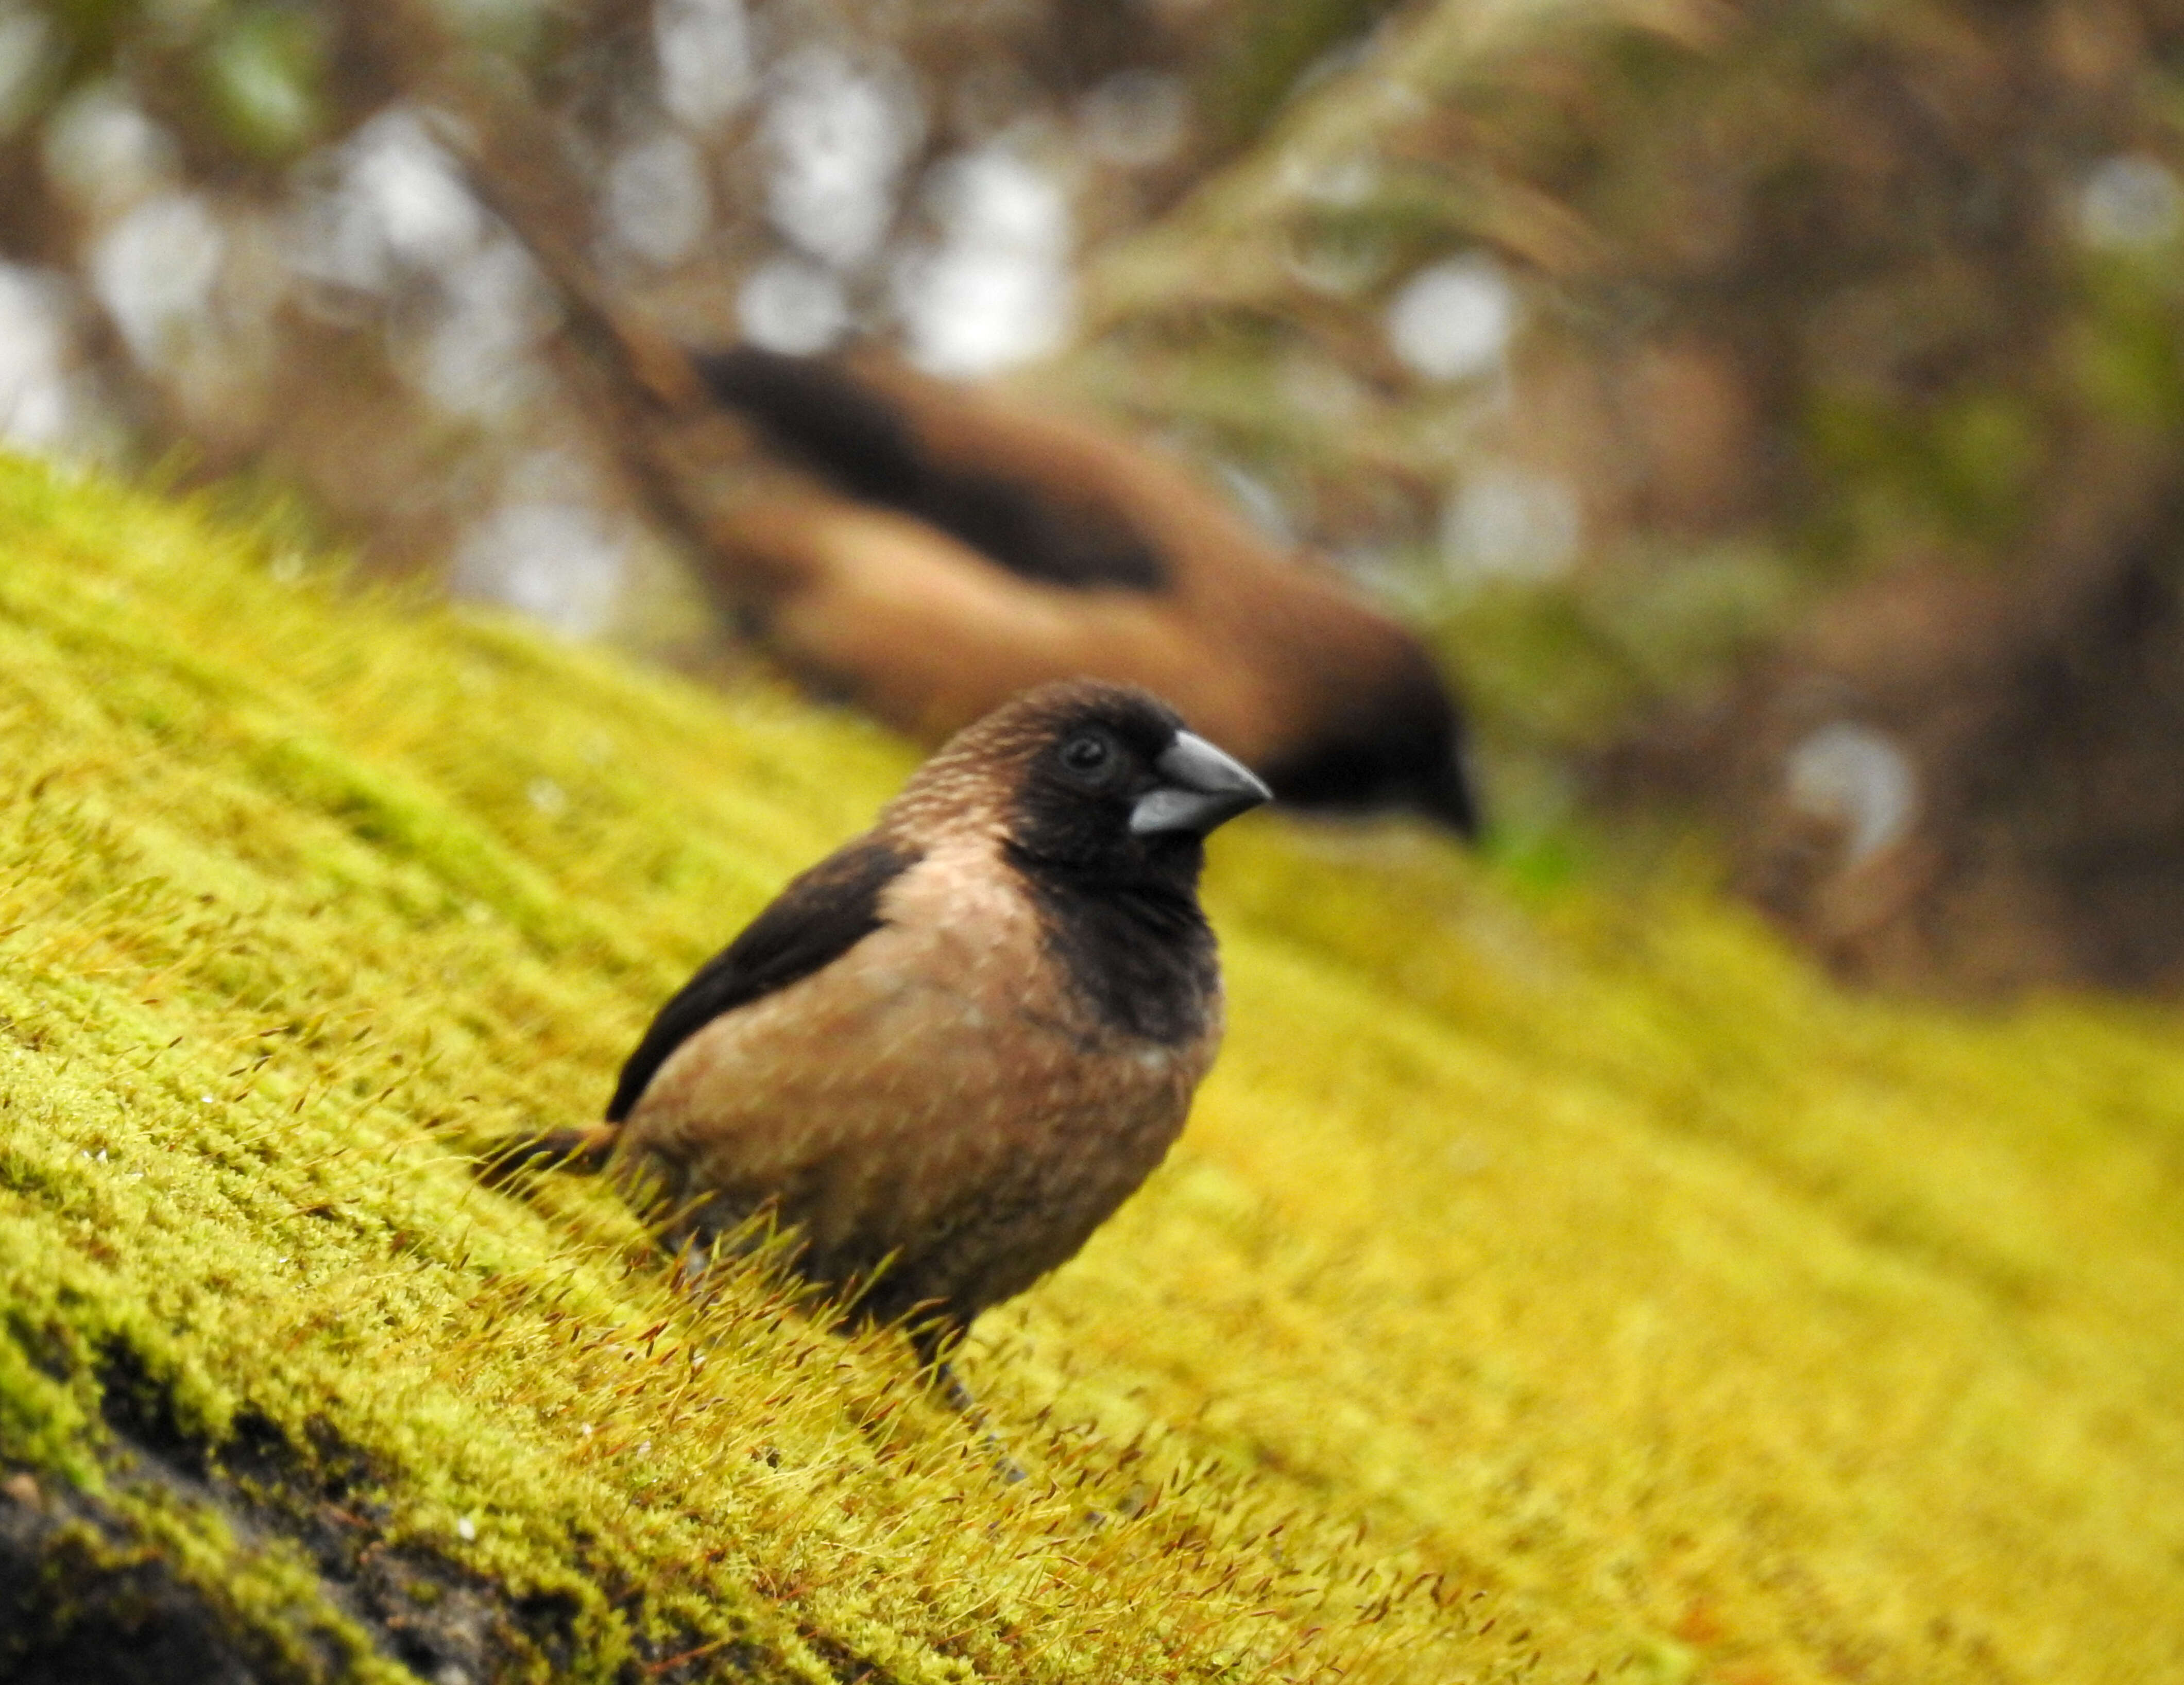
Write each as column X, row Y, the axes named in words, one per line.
column 1542, row 1276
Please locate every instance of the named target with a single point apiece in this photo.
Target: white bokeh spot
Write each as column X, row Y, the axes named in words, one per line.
column 996, row 290
column 1858, row 777
column 838, row 139
column 493, row 308
column 704, row 55
column 557, row 562
column 36, row 407
column 2129, row 202
column 154, row 271
column 399, row 205
column 105, row 155
column 791, row 304
column 1453, row 320
column 658, row 206
column 1510, row 523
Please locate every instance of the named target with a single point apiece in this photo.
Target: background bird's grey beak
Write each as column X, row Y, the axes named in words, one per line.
column 1203, row 788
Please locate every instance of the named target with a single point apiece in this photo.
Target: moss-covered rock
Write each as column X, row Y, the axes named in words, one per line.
column 1551, row 1286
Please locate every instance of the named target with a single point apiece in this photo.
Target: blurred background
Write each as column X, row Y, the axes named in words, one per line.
column 1771, row 413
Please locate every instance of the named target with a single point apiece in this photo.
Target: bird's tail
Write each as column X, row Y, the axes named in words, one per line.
column 581, row 1152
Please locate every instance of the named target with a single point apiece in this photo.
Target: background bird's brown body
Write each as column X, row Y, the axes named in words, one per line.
column 952, row 546
column 929, row 549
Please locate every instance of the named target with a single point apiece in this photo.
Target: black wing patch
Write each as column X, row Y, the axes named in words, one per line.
column 820, row 417
column 822, row 913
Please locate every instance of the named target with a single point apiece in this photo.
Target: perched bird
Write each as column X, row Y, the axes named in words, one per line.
column 947, row 1052
column 950, row 547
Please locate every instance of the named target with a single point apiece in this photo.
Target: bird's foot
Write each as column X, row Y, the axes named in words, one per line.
column 959, row 1399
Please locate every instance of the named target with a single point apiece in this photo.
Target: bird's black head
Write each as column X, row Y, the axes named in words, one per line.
column 1101, row 800
column 1110, row 787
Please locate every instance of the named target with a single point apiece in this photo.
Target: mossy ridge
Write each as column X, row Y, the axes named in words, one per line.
column 1625, row 1278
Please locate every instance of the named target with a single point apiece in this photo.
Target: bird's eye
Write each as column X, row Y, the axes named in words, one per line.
column 1086, row 755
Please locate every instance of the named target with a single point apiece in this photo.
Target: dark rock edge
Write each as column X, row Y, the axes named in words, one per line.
column 87, row 1598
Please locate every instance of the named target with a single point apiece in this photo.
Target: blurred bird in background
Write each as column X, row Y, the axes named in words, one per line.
column 927, row 548
column 949, row 546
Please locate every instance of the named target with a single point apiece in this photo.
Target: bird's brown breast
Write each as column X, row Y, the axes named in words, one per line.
column 939, row 1095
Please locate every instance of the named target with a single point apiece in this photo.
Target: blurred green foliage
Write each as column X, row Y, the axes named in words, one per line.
column 262, row 67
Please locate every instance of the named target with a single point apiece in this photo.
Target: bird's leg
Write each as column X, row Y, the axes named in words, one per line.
column 955, row 1394
column 934, row 1342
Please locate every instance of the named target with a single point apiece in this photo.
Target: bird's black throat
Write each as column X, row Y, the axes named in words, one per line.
column 1136, row 946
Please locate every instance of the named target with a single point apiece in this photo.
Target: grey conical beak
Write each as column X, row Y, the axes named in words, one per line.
column 1201, row 787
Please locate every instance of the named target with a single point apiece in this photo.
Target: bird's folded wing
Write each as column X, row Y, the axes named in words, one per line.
column 822, row 913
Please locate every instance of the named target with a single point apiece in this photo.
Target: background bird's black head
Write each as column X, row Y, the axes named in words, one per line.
column 1402, row 748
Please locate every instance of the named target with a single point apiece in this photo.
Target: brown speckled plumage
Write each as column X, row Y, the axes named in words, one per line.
column 1003, row 1048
